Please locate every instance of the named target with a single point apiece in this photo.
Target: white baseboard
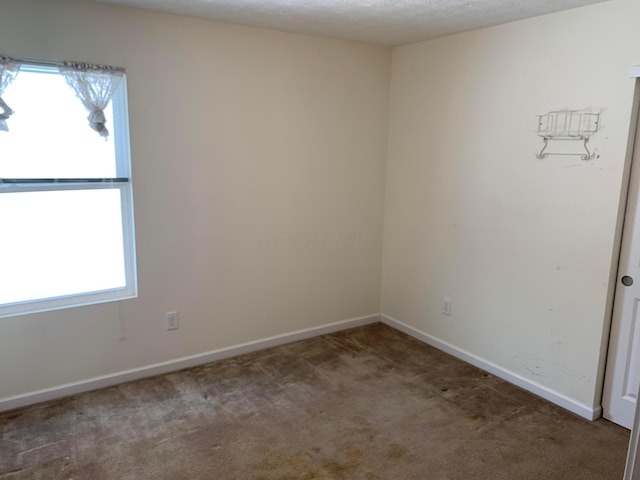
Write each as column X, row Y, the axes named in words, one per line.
column 522, row 382
column 30, row 398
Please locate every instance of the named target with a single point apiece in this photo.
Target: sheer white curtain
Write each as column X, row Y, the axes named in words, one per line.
column 8, row 70
column 94, row 85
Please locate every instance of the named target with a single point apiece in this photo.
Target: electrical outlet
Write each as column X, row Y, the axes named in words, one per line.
column 172, row 320
column 446, row 306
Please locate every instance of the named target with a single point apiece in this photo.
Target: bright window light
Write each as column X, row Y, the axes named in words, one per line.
column 65, row 199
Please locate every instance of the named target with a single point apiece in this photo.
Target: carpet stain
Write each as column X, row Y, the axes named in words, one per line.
column 300, row 466
column 359, row 419
column 475, row 418
column 396, row 451
column 353, row 460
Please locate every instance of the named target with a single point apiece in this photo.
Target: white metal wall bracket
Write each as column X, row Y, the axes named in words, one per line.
column 567, row 125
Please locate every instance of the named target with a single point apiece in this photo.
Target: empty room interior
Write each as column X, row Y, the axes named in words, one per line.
column 359, row 248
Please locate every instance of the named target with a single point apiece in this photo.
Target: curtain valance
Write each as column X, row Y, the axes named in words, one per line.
column 93, row 85
column 9, row 68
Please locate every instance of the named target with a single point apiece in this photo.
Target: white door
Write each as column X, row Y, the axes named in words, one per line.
column 622, row 377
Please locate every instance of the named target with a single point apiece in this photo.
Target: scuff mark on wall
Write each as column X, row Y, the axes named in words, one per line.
column 535, row 366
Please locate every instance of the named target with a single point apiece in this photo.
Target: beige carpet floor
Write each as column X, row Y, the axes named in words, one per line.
column 366, row 404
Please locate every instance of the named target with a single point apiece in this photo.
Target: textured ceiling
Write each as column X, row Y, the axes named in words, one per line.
column 386, row 22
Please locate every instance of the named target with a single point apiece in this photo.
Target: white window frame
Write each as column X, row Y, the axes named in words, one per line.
column 122, row 182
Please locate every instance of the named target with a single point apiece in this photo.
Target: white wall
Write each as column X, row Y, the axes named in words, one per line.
column 522, row 246
column 258, row 165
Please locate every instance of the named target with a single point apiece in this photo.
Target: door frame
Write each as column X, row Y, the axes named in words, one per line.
column 630, row 186
column 632, row 467
column 632, row 470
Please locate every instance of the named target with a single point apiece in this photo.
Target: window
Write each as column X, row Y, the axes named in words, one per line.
column 66, row 209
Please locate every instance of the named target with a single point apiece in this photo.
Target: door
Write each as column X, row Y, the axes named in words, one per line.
column 622, row 379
